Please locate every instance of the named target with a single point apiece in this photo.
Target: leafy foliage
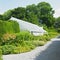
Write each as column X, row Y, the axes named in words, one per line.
column 45, row 13
column 57, row 24
column 23, row 42
column 18, row 12
column 7, row 15
column 1, row 17
column 42, row 13
column 9, row 27
column 13, row 41
column 1, row 54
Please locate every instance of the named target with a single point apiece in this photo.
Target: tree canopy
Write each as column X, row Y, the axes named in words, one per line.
column 42, row 13
column 7, row 15
column 18, row 12
column 45, row 13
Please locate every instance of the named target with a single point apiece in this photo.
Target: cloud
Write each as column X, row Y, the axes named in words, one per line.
column 57, row 13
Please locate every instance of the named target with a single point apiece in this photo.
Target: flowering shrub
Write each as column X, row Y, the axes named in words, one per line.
column 8, row 38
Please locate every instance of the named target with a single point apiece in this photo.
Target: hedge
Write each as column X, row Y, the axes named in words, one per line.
column 1, row 54
column 9, row 27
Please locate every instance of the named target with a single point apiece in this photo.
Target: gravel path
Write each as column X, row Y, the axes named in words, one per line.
column 50, row 51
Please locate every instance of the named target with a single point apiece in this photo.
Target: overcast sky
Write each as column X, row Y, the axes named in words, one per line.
column 10, row 4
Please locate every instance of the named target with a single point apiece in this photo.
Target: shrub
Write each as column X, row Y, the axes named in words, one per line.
column 38, row 43
column 53, row 34
column 17, row 38
column 8, row 36
column 15, row 26
column 1, row 54
column 11, row 49
column 8, row 39
column 7, row 49
column 8, row 27
column 24, row 35
column 23, row 42
column 42, row 38
column 21, row 49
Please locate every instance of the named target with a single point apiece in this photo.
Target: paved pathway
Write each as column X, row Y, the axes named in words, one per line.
column 50, row 51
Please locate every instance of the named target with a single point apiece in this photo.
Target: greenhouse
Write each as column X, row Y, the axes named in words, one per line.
column 32, row 28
